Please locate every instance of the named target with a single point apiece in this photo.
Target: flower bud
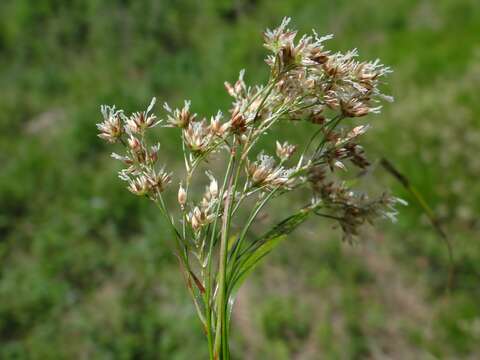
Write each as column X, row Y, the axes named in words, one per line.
column 195, row 223
column 182, row 196
column 237, row 122
column 134, row 143
column 213, row 188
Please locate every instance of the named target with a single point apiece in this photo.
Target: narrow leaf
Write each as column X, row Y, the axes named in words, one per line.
column 197, row 282
column 258, row 249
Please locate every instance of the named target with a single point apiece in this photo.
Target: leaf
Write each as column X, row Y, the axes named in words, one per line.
column 197, row 282
column 258, row 249
column 256, row 256
column 231, row 241
column 402, row 179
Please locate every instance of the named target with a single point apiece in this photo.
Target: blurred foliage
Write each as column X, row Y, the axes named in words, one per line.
column 86, row 270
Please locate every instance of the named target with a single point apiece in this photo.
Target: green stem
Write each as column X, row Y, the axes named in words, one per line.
column 208, row 290
column 220, row 344
column 249, row 223
column 255, row 211
column 208, row 324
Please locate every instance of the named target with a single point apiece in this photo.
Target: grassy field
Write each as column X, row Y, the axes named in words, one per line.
column 85, row 270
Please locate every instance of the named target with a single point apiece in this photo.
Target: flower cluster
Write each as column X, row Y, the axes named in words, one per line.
column 285, row 150
column 142, row 174
column 203, row 214
column 111, row 129
column 350, row 208
column 307, row 82
column 265, row 172
column 323, row 80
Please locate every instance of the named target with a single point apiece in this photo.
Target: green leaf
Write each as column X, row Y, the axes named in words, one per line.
column 254, row 258
column 246, row 262
column 231, row 241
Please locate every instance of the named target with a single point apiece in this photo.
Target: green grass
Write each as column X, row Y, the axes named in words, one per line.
column 85, row 267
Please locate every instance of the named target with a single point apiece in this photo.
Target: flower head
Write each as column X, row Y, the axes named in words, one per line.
column 239, row 89
column 197, row 136
column 265, row 172
column 139, row 185
column 111, row 129
column 146, row 182
column 199, row 217
column 138, row 122
column 285, row 150
column 158, row 180
column 180, row 117
column 307, row 82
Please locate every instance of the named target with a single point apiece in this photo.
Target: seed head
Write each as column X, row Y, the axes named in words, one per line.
column 317, row 117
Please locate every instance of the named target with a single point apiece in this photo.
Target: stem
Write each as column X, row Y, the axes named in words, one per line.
column 250, row 220
column 208, row 324
column 335, row 121
column 182, row 256
column 220, row 344
column 208, row 288
column 238, row 244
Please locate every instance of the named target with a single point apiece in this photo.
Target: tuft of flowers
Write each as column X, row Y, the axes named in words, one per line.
column 142, row 173
column 266, row 173
column 307, row 83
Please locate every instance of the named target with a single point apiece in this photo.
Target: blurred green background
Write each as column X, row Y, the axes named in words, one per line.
column 85, row 271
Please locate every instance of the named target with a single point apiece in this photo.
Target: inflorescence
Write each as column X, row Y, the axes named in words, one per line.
column 307, row 83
